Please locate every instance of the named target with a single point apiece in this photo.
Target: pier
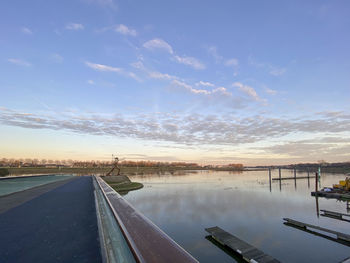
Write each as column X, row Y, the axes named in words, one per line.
column 77, row 219
column 340, row 236
column 339, row 196
column 335, row 215
column 248, row 252
column 292, row 178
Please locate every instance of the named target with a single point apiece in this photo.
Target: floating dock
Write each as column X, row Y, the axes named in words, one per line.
column 338, row 196
column 247, row 251
column 292, row 178
column 335, row 215
column 339, row 235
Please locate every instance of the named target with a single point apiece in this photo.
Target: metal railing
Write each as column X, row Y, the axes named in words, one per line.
column 146, row 241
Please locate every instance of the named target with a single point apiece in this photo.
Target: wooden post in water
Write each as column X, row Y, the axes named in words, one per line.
column 295, row 173
column 279, row 174
column 316, row 183
column 270, row 177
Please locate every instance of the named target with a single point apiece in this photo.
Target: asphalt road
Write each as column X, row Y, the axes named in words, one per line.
column 57, row 226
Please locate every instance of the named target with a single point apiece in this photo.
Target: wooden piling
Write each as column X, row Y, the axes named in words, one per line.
column 270, row 177
column 279, row 174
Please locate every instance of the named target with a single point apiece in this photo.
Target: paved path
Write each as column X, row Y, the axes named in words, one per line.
column 56, row 226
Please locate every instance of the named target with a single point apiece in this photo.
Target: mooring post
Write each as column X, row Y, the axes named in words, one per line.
column 295, row 173
column 316, row 183
column 270, row 177
column 279, row 174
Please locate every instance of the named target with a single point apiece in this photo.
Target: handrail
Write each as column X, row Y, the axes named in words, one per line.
column 147, row 242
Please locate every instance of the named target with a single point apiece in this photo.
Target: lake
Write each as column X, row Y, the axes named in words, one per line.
column 183, row 204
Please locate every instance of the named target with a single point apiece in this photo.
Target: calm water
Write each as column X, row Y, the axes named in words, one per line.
column 185, row 203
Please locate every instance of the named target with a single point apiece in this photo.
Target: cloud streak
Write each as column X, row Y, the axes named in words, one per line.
column 247, row 90
column 74, row 26
column 26, row 30
column 105, row 68
column 160, row 44
column 190, row 61
column 124, row 30
column 19, row 62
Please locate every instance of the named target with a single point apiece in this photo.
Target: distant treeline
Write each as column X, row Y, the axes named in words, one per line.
column 44, row 163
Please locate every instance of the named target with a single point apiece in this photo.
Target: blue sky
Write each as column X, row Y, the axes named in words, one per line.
column 257, row 82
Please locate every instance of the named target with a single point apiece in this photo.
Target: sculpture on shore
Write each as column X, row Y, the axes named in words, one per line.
column 115, row 166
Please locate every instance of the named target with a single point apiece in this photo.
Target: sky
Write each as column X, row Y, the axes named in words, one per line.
column 212, row 82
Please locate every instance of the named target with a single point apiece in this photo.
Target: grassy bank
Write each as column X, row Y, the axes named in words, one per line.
column 122, row 183
column 123, row 188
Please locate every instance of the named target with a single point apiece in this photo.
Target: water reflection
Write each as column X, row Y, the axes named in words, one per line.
column 248, row 205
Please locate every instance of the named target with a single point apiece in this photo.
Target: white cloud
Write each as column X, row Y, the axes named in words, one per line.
column 74, row 26
column 57, row 58
column 218, row 91
column 270, row 91
column 247, row 90
column 231, row 62
column 101, row 67
column 105, row 68
column 213, row 51
column 91, row 82
column 222, row 91
column 190, row 61
column 26, row 30
column 277, row 71
column 138, row 65
column 19, row 62
column 152, row 74
column 123, row 29
column 158, row 75
column 206, row 84
column 190, row 88
column 158, row 43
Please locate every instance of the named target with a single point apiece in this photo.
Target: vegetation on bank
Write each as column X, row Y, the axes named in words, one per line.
column 124, row 188
column 103, row 170
column 122, row 183
column 4, row 172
